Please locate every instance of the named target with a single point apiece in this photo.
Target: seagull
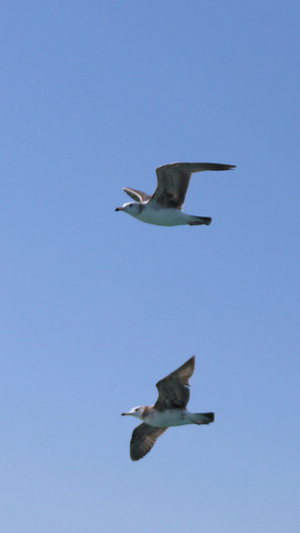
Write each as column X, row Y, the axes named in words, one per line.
column 163, row 208
column 169, row 410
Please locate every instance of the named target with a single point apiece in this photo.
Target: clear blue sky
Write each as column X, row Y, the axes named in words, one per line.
column 97, row 306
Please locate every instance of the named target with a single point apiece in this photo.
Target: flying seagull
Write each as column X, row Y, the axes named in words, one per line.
column 169, row 410
column 163, row 208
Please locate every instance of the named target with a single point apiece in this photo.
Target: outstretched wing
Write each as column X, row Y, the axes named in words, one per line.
column 173, row 391
column 138, row 196
column 142, row 440
column 173, row 181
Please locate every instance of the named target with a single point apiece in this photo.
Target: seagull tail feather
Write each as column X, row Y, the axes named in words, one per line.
column 198, row 221
column 203, row 418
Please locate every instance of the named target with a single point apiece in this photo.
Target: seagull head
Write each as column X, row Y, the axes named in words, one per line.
column 136, row 411
column 132, row 208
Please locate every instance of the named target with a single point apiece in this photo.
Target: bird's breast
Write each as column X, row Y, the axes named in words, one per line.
column 161, row 216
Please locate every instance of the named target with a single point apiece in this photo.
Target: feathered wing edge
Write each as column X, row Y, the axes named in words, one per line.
column 173, row 181
column 137, row 196
column 143, row 439
column 173, row 391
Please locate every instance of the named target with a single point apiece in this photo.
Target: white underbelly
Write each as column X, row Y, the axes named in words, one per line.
column 167, row 418
column 163, row 217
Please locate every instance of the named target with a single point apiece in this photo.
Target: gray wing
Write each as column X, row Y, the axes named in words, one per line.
column 173, row 181
column 142, row 440
column 138, row 196
column 173, row 391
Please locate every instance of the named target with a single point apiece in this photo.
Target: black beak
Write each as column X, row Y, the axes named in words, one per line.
column 118, row 209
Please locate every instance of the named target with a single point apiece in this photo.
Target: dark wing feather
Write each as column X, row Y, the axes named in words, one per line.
column 173, row 390
column 142, row 440
column 138, row 196
column 173, row 181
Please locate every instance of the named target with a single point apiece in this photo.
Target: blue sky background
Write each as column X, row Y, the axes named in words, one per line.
column 96, row 307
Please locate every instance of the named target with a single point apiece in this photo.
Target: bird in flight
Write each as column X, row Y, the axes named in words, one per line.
column 163, row 208
column 169, row 410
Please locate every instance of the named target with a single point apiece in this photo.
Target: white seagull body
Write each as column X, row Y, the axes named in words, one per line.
column 169, row 410
column 163, row 208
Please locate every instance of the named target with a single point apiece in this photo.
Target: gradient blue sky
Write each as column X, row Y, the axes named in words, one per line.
column 96, row 306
